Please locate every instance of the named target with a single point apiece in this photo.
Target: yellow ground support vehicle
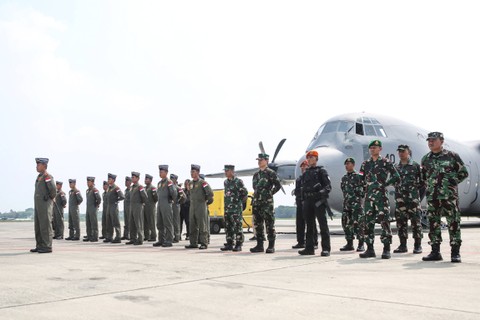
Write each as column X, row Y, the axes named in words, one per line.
column 216, row 210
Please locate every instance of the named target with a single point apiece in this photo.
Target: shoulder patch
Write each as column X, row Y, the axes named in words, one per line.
column 170, row 183
column 117, row 189
column 140, row 188
column 154, row 189
column 204, row 184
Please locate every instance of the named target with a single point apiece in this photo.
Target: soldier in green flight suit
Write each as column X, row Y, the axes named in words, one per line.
column 201, row 195
column 45, row 192
column 150, row 210
column 167, row 196
column 59, row 204
column 104, row 210
column 235, row 195
column 378, row 173
column 176, row 210
column 353, row 194
column 138, row 198
column 443, row 171
column 114, row 195
column 407, row 200
column 265, row 185
column 127, row 216
column 74, row 200
column 94, row 200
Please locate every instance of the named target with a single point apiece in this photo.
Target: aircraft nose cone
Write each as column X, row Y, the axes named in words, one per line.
column 330, row 158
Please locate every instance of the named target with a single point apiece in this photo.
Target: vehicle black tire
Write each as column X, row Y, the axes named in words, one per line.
column 215, row 227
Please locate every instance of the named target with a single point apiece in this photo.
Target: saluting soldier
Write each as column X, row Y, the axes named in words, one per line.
column 150, row 210
column 167, row 195
column 74, row 200
column 114, row 195
column 443, row 170
column 234, row 197
column 201, row 195
column 378, row 173
column 59, row 204
column 265, row 185
column 176, row 210
column 407, row 200
column 45, row 192
column 138, row 197
column 127, row 216
column 93, row 202
column 353, row 194
column 104, row 210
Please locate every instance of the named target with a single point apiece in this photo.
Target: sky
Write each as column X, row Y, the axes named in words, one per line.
column 116, row 86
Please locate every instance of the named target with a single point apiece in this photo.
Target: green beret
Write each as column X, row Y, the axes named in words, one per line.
column 349, row 160
column 376, row 143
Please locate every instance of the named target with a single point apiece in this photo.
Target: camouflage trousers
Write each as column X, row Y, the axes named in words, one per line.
column 351, row 216
column 376, row 209
column 234, row 227
column 264, row 218
column 408, row 209
column 449, row 209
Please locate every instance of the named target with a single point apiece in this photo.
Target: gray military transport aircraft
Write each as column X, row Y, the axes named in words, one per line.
column 348, row 135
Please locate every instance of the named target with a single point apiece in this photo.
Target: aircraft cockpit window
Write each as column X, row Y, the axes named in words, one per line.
column 369, row 127
column 337, row 126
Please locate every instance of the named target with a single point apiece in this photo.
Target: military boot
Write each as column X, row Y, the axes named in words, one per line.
column 417, row 248
column 369, row 253
column 360, row 247
column 271, row 246
column 435, row 255
column 386, row 251
column 238, row 247
column 348, row 246
column 455, row 255
column 402, row 248
column 258, row 247
column 228, row 246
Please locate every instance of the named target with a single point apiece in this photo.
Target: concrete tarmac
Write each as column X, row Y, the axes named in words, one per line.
column 82, row 280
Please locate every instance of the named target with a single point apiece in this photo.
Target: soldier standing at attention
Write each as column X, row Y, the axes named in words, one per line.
column 114, row 195
column 45, row 192
column 126, row 210
column 407, row 200
column 235, row 195
column 104, row 210
column 176, row 210
column 93, row 202
column 167, row 195
column 138, row 197
column 74, row 200
column 353, row 194
column 378, row 173
column 185, row 207
column 316, row 187
column 150, row 210
column 443, row 171
column 59, row 204
column 201, row 195
column 265, row 185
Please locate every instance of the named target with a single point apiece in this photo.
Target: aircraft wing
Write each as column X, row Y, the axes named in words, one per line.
column 240, row 173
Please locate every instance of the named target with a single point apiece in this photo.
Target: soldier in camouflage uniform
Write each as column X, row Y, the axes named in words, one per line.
column 93, row 202
column 265, row 185
column 74, row 200
column 201, row 195
column 114, row 195
column 45, row 192
column 407, row 200
column 59, row 204
column 127, row 216
column 104, row 210
column 235, row 195
column 167, row 196
column 138, row 198
column 378, row 173
column 353, row 194
column 176, row 210
column 150, row 210
column 443, row 171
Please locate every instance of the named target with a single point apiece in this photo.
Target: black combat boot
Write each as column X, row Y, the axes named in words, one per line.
column 402, row 248
column 238, row 247
column 386, row 251
column 435, row 255
column 417, row 248
column 228, row 246
column 348, row 246
column 455, row 255
column 258, row 247
column 369, row 253
column 360, row 247
column 271, row 246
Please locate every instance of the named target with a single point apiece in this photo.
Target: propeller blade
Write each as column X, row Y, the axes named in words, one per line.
column 262, row 149
column 278, row 149
column 283, row 190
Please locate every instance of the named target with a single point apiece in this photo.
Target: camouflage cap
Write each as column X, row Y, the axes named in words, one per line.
column 59, row 182
column 263, row 156
column 350, row 159
column 72, row 180
column 105, row 183
column 195, row 167
column 375, row 143
column 91, row 179
column 163, row 167
column 173, row 177
column 112, row 176
column 148, row 176
column 128, row 178
column 435, row 135
column 135, row 174
column 403, row 147
column 229, row 167
column 41, row 160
